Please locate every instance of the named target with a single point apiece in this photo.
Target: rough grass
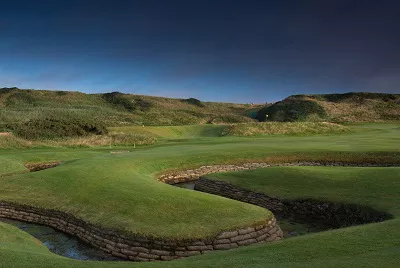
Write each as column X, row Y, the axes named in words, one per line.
column 284, row 128
column 18, row 106
column 348, row 107
column 113, row 139
column 173, row 132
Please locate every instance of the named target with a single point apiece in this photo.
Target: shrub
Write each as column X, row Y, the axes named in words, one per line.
column 290, row 110
column 52, row 127
column 143, row 104
column 18, row 98
column 5, row 90
column 194, row 101
column 118, row 99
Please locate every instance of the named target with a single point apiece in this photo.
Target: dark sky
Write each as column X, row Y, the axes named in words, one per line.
column 236, row 51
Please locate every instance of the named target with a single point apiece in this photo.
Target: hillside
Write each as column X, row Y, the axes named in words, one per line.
column 348, row 107
column 114, row 109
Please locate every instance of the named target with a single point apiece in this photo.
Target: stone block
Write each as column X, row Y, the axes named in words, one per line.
column 196, row 248
column 222, row 246
column 246, row 231
column 247, row 242
column 140, row 249
column 227, row 234
column 148, row 256
column 240, row 238
column 160, row 252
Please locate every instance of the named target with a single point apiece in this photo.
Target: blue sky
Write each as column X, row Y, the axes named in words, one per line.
column 220, row 50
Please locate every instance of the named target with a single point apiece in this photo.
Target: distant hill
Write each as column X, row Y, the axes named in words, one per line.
column 347, row 107
column 113, row 109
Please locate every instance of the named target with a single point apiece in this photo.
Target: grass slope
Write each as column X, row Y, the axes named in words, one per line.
column 17, row 106
column 378, row 187
column 348, row 107
column 284, row 128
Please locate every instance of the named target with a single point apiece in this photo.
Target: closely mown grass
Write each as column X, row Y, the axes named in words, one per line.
column 120, row 191
column 284, row 128
column 380, row 185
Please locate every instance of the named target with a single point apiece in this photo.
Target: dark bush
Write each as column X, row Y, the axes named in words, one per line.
column 119, row 99
column 194, row 101
column 50, row 128
column 7, row 89
column 290, row 110
column 142, row 104
column 61, row 93
column 20, row 97
column 358, row 97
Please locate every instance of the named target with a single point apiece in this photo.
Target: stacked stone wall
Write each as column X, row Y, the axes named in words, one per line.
column 139, row 248
column 316, row 212
column 195, row 174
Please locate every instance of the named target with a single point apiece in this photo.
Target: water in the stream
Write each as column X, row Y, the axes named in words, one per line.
column 289, row 227
column 61, row 243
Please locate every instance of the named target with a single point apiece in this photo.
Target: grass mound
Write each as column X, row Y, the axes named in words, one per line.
column 348, row 107
column 284, row 128
column 114, row 109
column 335, row 184
column 291, row 109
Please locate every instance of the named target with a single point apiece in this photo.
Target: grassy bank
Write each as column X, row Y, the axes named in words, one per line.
column 284, row 128
column 348, row 107
column 113, row 109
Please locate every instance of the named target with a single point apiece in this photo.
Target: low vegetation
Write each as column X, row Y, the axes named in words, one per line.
column 292, row 109
column 348, row 107
column 114, row 109
column 287, row 128
column 53, row 127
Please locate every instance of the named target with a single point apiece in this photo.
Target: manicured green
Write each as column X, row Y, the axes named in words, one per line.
column 378, row 187
column 120, row 191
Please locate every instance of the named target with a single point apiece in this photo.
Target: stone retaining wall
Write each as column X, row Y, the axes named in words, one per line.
column 195, row 174
column 138, row 248
column 322, row 213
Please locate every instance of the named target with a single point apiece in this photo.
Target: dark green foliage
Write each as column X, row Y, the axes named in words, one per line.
column 358, row 97
column 51, row 127
column 119, row 99
column 61, row 93
column 194, row 101
column 20, row 97
column 7, row 89
column 142, row 104
column 291, row 109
